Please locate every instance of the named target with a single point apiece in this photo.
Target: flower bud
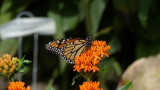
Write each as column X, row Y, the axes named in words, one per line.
column 10, row 64
column 5, row 67
column 11, row 70
column 4, row 71
column 13, row 67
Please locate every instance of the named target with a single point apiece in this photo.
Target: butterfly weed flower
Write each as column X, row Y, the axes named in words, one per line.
column 87, row 63
column 90, row 86
column 89, row 60
column 8, row 65
column 18, row 86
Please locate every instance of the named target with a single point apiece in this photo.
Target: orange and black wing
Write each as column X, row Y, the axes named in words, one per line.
column 69, row 48
column 75, row 48
column 56, row 45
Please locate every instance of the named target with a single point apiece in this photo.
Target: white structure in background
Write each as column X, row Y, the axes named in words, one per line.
column 27, row 26
column 20, row 27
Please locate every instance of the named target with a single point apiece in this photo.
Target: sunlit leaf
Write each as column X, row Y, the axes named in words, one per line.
column 126, row 87
column 27, row 61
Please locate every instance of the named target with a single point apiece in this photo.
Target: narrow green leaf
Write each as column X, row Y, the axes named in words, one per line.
column 20, row 63
column 127, row 86
column 23, row 69
column 73, row 80
column 27, row 61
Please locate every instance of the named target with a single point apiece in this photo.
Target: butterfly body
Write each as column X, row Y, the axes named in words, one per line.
column 69, row 48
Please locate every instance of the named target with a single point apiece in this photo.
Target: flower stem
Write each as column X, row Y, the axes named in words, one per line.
column 88, row 79
column 11, row 79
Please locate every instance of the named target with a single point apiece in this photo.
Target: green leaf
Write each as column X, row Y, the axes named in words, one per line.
column 5, row 16
column 10, row 8
column 144, row 7
column 20, row 64
column 116, row 66
column 70, row 23
column 97, row 8
column 73, row 80
column 104, row 67
column 126, row 87
column 109, row 70
column 49, row 86
column 65, row 14
column 23, row 69
column 27, row 61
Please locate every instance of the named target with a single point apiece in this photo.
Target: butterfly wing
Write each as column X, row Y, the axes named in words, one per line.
column 56, row 45
column 73, row 49
column 69, row 48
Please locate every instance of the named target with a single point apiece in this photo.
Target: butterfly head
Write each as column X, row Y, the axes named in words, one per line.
column 88, row 40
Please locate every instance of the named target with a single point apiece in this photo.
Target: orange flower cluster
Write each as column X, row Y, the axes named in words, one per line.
column 8, row 65
column 90, row 86
column 17, row 86
column 88, row 60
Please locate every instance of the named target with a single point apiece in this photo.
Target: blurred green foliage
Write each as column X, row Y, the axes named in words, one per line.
column 131, row 27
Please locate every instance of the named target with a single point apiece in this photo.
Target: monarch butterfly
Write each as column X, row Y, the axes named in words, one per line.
column 69, row 48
